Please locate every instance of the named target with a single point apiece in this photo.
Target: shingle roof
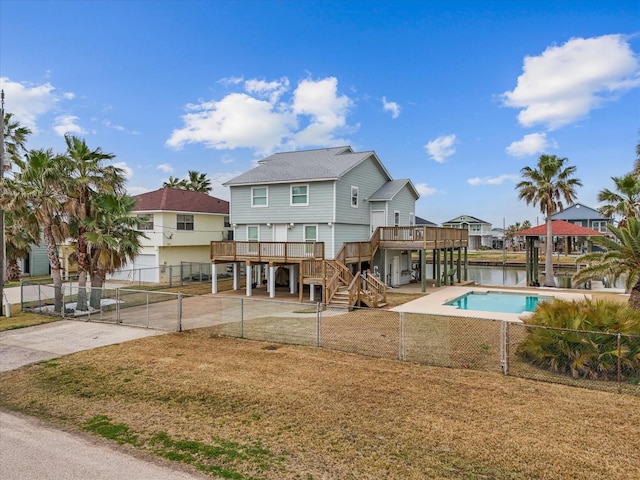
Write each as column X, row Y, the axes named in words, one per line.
column 178, row 200
column 465, row 219
column 422, row 221
column 391, row 189
column 578, row 211
column 559, row 228
column 308, row 165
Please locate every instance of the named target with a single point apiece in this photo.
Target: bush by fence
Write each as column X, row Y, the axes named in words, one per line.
column 456, row 342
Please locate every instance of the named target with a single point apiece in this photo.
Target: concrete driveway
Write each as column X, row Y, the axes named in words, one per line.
column 29, row 345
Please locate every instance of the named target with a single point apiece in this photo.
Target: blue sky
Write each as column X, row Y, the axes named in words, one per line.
column 458, row 96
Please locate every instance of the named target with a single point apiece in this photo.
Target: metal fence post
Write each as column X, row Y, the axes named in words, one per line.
column 117, row 305
column 242, row 318
column 318, row 341
column 401, row 350
column 21, row 295
column 179, row 312
column 504, row 346
column 619, row 363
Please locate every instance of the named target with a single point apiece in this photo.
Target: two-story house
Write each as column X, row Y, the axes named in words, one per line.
column 480, row 233
column 296, row 208
column 179, row 225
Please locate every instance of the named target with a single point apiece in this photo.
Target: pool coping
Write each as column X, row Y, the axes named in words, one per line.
column 434, row 303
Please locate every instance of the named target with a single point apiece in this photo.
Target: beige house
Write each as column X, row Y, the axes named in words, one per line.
column 180, row 225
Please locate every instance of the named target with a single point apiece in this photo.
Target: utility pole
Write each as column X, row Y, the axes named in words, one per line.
column 3, row 270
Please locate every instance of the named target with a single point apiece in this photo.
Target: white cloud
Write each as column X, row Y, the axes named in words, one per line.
column 530, row 145
column 392, row 107
column 564, row 83
column 261, row 119
column 423, row 189
column 492, row 181
column 165, row 167
column 137, row 190
column 67, row 124
column 28, row 102
column 441, row 148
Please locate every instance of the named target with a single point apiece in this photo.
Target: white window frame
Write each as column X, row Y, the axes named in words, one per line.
column 412, row 219
column 145, row 221
column 304, row 232
column 185, row 222
column 291, row 195
column 257, row 228
column 600, row 226
column 396, row 218
column 254, row 197
column 355, row 194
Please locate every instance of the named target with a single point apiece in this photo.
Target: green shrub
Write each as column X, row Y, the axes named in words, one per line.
column 572, row 342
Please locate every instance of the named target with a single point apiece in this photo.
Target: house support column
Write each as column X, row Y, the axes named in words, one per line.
column 436, row 267
column 423, row 270
column 292, row 279
column 466, row 265
column 312, row 292
column 214, row 279
column 249, row 278
column 272, row 281
column 236, row 276
column 459, row 265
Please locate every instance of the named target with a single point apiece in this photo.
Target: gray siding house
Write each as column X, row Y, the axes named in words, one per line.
column 584, row 216
column 332, row 195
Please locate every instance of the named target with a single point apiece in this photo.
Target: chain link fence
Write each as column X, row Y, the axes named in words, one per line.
column 453, row 342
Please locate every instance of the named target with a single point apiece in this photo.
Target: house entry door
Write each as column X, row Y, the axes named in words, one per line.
column 377, row 219
column 395, row 271
column 280, row 232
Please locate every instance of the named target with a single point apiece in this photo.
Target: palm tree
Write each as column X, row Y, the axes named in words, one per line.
column 198, row 182
column 89, row 178
column 39, row 186
column 622, row 257
column 22, row 232
column 547, row 186
column 625, row 201
column 114, row 239
column 15, row 137
column 174, row 183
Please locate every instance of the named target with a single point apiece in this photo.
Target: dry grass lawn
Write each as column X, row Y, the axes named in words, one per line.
column 245, row 409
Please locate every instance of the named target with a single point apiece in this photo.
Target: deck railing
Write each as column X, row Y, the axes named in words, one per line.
column 267, row 250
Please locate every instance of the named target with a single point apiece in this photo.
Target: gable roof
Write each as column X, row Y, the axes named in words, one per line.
column 305, row 166
column 178, row 200
column 464, row 219
column 559, row 228
column 578, row 211
column 391, row 189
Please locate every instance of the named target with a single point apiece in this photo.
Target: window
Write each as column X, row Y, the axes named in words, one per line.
column 310, row 233
column 396, row 218
column 145, row 221
column 226, row 221
column 259, row 197
column 412, row 219
column 184, row 222
column 253, row 233
column 299, row 195
column 578, row 222
column 354, row 197
column 600, row 226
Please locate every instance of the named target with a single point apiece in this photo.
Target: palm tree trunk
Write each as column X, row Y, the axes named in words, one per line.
column 634, row 297
column 54, row 261
column 97, row 281
column 548, row 260
column 83, row 266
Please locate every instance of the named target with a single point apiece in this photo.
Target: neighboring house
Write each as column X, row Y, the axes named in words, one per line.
column 180, row 225
column 497, row 238
column 480, row 232
column 316, row 214
column 37, row 261
column 584, row 216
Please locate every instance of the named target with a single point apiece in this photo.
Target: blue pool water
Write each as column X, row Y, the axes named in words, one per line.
column 504, row 302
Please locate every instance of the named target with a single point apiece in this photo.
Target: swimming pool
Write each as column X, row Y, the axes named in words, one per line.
column 504, row 302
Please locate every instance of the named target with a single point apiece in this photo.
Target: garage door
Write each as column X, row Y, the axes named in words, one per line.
column 143, row 269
